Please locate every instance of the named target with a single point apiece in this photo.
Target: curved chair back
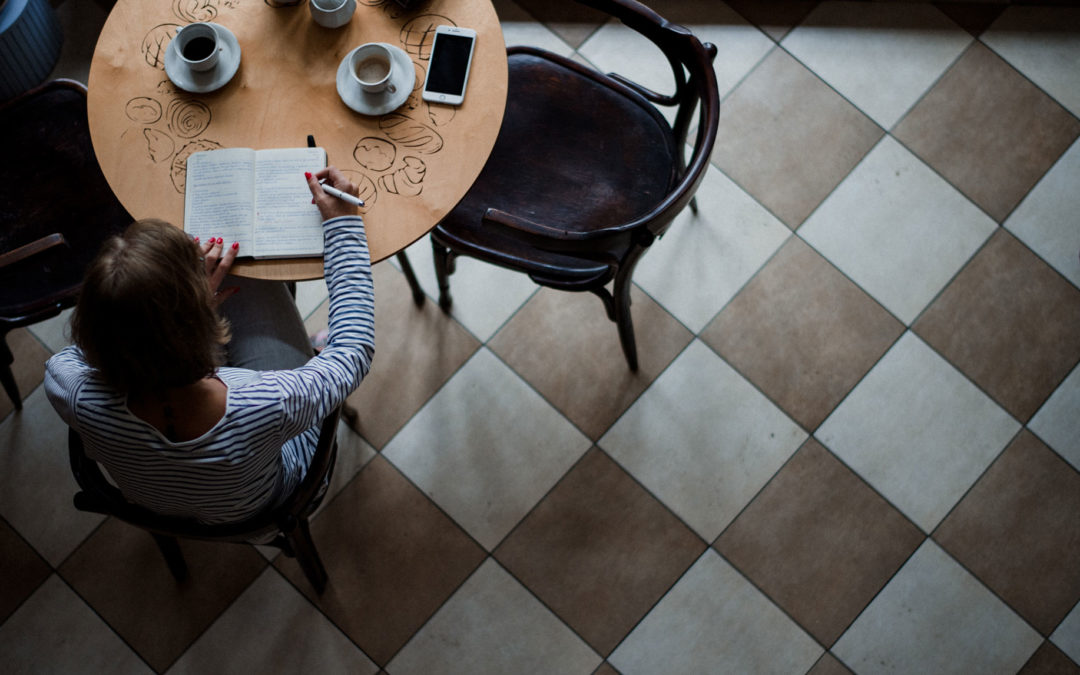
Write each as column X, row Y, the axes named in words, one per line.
column 288, row 522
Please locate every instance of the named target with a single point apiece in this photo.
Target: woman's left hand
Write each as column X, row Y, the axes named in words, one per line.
column 218, row 259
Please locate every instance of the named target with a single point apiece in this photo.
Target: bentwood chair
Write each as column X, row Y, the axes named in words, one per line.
column 587, row 173
column 286, row 523
column 55, row 208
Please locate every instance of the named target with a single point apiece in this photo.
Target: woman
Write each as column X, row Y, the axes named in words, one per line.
column 146, row 388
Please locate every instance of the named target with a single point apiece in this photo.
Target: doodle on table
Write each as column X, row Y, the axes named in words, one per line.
column 179, row 163
column 159, row 145
column 156, row 42
column 419, row 32
column 195, row 10
column 411, row 134
column 143, row 109
column 367, row 192
column 408, row 181
column 187, row 118
column 375, row 154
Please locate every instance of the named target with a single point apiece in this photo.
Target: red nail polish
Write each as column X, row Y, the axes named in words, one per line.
column 235, row 245
column 196, row 240
column 307, row 174
column 220, row 240
column 312, row 200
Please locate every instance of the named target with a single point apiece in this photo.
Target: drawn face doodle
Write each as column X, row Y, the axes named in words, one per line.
column 187, row 118
column 155, row 43
column 375, row 154
column 195, row 10
column 143, row 109
column 419, row 32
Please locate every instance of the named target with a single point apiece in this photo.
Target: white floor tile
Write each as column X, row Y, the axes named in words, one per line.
column 493, row 625
column 54, row 631
column 1047, row 218
column 740, row 46
column 714, row 621
column 1067, row 635
column 897, row 229
column 705, row 259
column 519, row 28
column 880, row 56
column 485, row 296
column 36, row 485
column 935, row 617
column 1057, row 422
column 54, row 333
column 918, row 431
column 703, row 440
column 1043, row 43
column 486, row 448
column 309, row 295
column 272, row 628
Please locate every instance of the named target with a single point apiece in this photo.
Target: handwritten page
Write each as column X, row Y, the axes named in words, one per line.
column 287, row 224
column 218, row 196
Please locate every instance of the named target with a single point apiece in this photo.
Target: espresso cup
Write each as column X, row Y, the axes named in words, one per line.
column 372, row 67
column 332, row 13
column 198, row 47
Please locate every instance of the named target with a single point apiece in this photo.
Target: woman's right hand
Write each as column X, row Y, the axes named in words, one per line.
column 329, row 206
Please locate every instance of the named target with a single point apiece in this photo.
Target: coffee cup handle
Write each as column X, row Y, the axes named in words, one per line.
column 391, row 88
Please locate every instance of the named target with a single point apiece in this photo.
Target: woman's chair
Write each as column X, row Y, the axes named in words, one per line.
column 586, row 172
column 287, row 523
column 55, row 208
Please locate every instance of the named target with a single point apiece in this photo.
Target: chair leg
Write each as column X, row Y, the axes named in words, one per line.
column 626, row 326
column 307, row 556
column 442, row 274
column 170, row 550
column 6, row 376
column 410, row 276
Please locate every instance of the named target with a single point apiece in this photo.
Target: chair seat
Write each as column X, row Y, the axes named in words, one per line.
column 546, row 154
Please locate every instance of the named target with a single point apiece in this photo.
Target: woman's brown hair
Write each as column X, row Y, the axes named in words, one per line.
column 145, row 318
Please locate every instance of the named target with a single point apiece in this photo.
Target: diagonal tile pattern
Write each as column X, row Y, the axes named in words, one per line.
column 851, row 448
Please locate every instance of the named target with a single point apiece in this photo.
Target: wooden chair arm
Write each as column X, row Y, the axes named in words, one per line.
column 648, row 94
column 33, row 248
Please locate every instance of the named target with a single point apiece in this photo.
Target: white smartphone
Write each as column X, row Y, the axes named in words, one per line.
column 448, row 68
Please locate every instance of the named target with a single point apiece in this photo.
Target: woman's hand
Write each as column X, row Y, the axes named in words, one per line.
column 331, row 207
column 218, row 260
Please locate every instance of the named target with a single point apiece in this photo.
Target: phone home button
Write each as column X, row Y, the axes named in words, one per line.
column 442, row 97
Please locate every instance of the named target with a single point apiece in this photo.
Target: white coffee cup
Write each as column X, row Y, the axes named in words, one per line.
column 332, row 13
column 198, row 46
column 372, row 66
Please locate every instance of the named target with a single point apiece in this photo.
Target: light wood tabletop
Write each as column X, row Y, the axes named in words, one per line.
column 412, row 164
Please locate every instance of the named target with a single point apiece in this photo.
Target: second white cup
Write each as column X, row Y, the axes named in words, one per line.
column 372, row 67
column 332, row 13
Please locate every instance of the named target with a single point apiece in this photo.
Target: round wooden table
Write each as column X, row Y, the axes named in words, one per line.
column 412, row 164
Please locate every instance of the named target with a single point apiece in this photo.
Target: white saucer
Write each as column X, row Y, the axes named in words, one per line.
column 377, row 104
column 209, row 80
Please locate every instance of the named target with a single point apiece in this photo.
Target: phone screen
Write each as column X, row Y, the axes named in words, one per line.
column 449, row 64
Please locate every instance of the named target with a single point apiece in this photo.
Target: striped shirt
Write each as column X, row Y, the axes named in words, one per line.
column 260, row 449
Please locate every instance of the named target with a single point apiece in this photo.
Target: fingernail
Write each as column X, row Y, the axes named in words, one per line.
column 312, row 200
column 196, row 240
column 235, row 245
column 307, row 174
column 220, row 240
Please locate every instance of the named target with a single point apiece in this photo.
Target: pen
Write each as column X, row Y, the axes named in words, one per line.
column 334, row 192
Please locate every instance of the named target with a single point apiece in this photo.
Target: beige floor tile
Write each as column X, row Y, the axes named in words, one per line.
column 392, row 559
column 934, row 617
column 24, row 570
column 690, row 629
column 1067, row 635
column 780, row 106
column 521, row 28
column 121, row 574
column 486, row 448
column 1009, row 322
column 599, row 551
column 273, row 628
column 1017, row 532
column 492, row 625
column 54, row 631
column 36, row 485
column 829, row 665
column 1057, row 423
column 1049, row 659
column 703, row 440
column 776, row 19
column 564, row 345
column 880, row 56
column 803, row 333
column 917, row 431
column 28, row 367
column 988, row 131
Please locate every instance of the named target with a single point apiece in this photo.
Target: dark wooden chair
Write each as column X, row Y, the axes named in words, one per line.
column 55, row 209
column 586, row 172
column 287, row 523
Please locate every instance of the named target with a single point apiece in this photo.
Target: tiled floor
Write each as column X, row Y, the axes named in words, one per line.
column 853, row 445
